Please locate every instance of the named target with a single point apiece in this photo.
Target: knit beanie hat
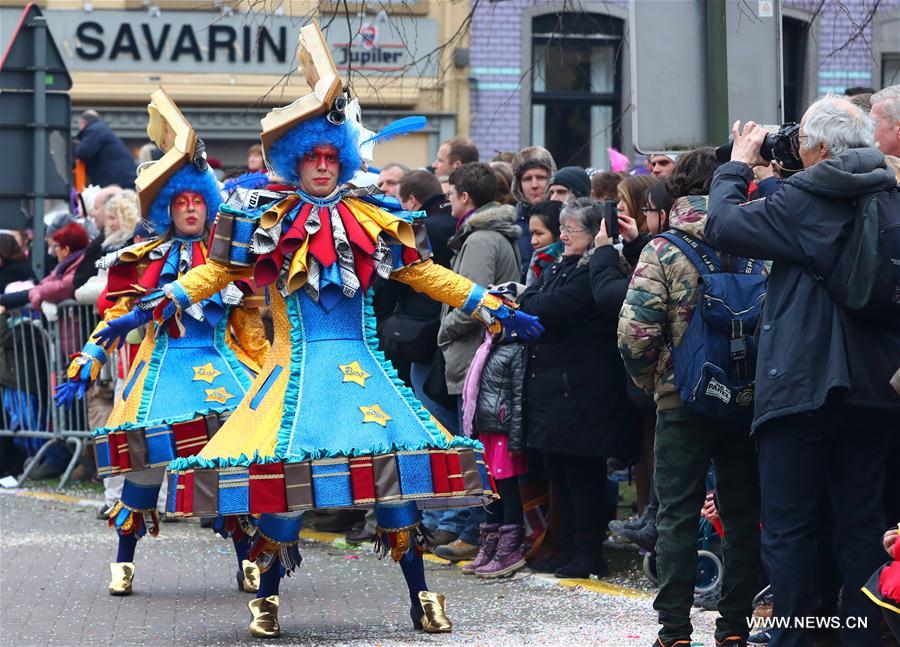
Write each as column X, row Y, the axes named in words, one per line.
column 527, row 159
column 574, row 178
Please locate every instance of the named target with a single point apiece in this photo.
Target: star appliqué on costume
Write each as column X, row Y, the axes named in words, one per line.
column 205, row 373
column 375, row 414
column 219, row 395
column 353, row 372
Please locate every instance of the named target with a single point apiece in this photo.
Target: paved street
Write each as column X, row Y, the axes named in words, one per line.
column 53, row 567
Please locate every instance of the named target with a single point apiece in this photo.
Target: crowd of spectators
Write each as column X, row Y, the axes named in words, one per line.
column 801, row 488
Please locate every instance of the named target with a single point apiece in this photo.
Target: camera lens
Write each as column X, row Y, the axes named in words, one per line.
column 767, row 150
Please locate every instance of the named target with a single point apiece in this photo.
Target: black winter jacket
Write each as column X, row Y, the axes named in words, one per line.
column 105, row 157
column 810, row 348
column 526, row 249
column 632, row 250
column 88, row 268
column 609, row 284
column 409, row 320
column 14, row 272
column 501, row 393
column 575, row 394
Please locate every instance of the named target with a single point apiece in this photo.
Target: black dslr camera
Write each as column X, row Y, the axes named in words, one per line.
column 782, row 146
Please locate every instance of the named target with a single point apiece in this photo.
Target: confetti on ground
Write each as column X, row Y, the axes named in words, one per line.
column 54, row 577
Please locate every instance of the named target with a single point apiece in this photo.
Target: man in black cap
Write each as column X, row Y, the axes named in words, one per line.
column 568, row 184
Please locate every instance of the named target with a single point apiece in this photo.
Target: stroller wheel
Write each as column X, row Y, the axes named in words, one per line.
column 764, row 596
column 650, row 568
column 709, row 571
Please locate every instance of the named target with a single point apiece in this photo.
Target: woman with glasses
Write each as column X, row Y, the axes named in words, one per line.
column 576, row 406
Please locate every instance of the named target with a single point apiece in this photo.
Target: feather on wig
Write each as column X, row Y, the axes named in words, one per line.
column 188, row 178
column 287, row 151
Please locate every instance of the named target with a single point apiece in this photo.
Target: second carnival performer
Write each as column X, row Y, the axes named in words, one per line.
column 327, row 423
column 182, row 383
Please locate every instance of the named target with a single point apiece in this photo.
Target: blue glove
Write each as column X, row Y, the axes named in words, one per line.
column 117, row 329
column 82, row 371
column 66, row 392
column 526, row 326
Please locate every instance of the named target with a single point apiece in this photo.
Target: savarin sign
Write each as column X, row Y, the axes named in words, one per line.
column 201, row 41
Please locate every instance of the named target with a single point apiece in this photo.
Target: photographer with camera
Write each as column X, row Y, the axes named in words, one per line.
column 829, row 341
column 658, row 311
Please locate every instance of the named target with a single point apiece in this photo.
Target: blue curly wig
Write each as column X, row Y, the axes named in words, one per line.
column 287, row 151
column 188, row 178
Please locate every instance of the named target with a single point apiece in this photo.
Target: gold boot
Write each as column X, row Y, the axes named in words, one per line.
column 249, row 577
column 434, row 613
column 121, row 576
column 265, row 617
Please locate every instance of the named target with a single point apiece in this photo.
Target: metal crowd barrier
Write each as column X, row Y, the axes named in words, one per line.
column 36, row 353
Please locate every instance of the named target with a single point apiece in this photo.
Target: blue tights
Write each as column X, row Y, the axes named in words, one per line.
column 411, row 564
column 413, row 568
column 269, row 581
column 127, row 544
column 241, row 549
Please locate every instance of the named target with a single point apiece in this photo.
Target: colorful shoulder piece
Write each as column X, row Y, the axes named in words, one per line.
column 126, row 266
column 402, row 253
column 231, row 237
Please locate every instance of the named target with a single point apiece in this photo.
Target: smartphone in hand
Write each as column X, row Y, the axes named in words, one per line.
column 611, row 218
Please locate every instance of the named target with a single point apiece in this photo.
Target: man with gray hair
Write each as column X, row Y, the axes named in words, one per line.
column 886, row 113
column 823, row 402
column 389, row 178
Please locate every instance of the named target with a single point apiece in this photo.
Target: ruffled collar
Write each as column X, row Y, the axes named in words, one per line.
column 327, row 201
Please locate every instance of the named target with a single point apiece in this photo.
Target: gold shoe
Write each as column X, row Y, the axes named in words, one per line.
column 121, row 576
column 265, row 617
column 250, row 583
column 434, row 613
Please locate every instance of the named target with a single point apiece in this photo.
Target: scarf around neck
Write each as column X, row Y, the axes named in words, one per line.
column 543, row 258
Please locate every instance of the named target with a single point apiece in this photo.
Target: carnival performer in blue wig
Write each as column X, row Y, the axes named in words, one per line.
column 185, row 378
column 327, row 423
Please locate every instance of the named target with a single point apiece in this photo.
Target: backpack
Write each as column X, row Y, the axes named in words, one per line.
column 865, row 278
column 715, row 364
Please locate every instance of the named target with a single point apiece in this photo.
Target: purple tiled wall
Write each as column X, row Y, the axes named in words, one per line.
column 497, row 61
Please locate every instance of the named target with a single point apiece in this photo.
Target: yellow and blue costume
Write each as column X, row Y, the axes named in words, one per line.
column 179, row 389
column 327, row 423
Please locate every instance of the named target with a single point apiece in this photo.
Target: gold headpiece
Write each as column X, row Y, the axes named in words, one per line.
column 321, row 75
column 172, row 133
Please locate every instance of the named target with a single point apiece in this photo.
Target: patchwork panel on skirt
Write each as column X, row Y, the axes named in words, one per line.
column 452, row 477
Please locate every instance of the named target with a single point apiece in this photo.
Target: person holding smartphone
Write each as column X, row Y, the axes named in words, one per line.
column 576, row 406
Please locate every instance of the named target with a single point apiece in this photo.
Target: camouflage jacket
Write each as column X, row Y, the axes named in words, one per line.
column 659, row 304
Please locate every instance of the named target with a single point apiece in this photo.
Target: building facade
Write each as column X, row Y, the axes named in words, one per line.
column 228, row 63
column 508, row 73
column 557, row 73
